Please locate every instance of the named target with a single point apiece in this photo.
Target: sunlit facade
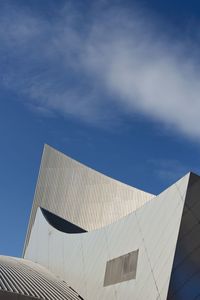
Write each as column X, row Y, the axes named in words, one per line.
column 92, row 237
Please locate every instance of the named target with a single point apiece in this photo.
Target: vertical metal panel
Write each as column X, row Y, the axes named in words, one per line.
column 185, row 278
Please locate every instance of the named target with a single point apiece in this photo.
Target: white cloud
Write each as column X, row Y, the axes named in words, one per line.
column 75, row 66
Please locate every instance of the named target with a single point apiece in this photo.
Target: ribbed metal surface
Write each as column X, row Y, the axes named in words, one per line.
column 81, row 195
column 29, row 279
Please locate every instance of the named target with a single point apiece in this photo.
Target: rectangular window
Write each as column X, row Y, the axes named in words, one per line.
column 121, row 268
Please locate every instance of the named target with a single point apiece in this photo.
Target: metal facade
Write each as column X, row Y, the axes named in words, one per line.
column 80, row 259
column 81, row 195
column 111, row 241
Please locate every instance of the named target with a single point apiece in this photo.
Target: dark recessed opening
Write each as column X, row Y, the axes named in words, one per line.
column 60, row 223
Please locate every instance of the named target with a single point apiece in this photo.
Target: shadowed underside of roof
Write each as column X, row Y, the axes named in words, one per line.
column 28, row 280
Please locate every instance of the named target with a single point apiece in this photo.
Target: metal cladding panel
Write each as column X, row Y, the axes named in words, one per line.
column 185, row 279
column 81, row 195
column 80, row 259
column 22, row 279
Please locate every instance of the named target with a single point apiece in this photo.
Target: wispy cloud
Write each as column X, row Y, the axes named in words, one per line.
column 82, row 65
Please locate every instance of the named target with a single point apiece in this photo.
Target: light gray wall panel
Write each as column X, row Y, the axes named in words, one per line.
column 80, row 259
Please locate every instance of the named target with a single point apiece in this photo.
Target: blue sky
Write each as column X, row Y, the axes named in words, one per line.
column 113, row 84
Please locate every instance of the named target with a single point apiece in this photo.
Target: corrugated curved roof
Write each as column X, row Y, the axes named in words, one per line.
column 26, row 278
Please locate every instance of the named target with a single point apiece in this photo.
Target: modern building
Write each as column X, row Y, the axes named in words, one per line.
column 91, row 237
